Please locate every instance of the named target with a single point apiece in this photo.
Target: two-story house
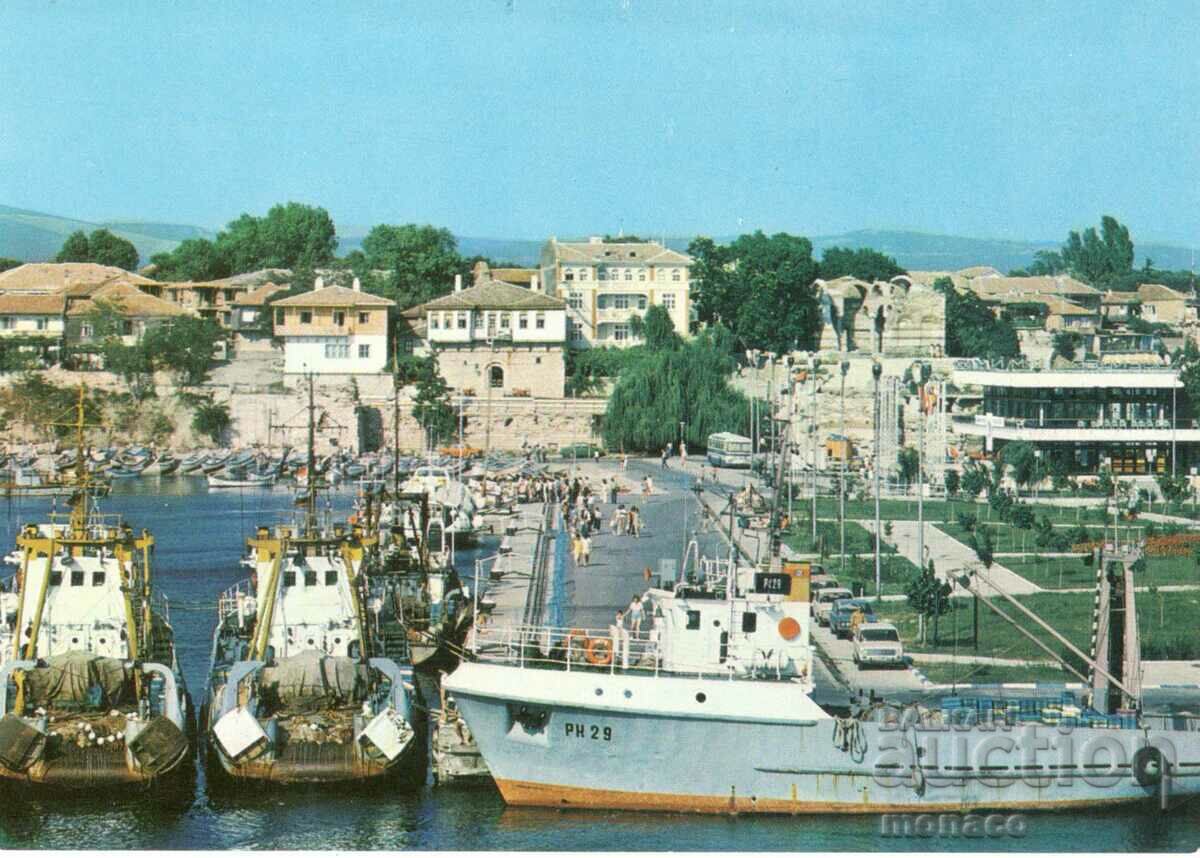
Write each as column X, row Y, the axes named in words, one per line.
column 495, row 337
column 606, row 283
column 333, row 329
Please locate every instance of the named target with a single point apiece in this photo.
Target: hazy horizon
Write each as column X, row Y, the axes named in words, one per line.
column 522, row 120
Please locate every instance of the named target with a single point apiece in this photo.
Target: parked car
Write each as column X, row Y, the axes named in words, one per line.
column 820, row 582
column 878, row 644
column 842, row 615
column 823, row 603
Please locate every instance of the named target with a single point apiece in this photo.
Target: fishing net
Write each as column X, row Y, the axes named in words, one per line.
column 312, row 681
column 79, row 679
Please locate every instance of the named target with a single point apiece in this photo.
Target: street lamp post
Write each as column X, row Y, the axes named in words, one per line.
column 845, row 455
column 876, row 371
column 921, row 369
column 812, row 428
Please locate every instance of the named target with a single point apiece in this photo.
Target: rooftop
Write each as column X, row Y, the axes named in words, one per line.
column 335, row 296
column 259, row 297
column 1158, row 292
column 59, row 276
column 597, row 252
column 20, row 303
column 126, row 299
column 1062, row 284
column 494, row 295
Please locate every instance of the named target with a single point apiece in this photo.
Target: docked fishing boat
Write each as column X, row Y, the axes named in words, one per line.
column 161, row 466
column 303, row 685
column 94, row 695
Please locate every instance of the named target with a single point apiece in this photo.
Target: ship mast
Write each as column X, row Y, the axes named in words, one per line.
column 310, row 501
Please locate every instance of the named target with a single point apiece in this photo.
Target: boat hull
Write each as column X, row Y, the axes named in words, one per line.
column 625, row 742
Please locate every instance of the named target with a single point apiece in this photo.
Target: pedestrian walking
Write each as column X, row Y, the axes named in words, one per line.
column 585, row 545
column 665, row 455
column 576, row 547
column 635, row 522
column 682, row 453
column 635, row 615
column 624, row 461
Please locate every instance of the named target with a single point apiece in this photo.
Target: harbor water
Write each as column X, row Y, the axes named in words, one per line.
column 201, row 536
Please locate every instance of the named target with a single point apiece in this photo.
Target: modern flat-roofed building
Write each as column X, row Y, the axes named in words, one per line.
column 333, row 329
column 1131, row 419
column 606, row 283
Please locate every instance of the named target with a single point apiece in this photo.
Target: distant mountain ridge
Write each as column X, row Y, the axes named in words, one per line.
column 34, row 237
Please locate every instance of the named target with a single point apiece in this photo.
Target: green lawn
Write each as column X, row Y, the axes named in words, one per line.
column 1011, row 539
column 799, row 537
column 975, row 673
column 937, row 510
column 1053, row 573
column 895, row 571
column 1161, row 619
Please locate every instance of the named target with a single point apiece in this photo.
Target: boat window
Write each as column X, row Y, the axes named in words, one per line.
column 693, row 622
column 749, row 622
column 330, row 577
column 55, row 578
column 310, row 577
column 76, row 577
column 98, row 578
column 289, row 578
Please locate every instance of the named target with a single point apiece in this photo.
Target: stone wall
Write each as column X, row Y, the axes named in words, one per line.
column 539, row 371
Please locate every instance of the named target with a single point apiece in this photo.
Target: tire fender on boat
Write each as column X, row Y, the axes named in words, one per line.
column 1148, row 766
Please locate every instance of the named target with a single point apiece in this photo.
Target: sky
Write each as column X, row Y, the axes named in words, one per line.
column 521, row 119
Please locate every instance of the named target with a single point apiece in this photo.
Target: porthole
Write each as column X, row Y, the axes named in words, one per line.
column 628, row 693
column 311, row 642
column 74, row 640
column 701, row 697
column 599, row 692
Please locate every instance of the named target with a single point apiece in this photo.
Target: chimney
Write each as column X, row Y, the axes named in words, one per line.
column 319, row 284
column 533, row 283
column 457, row 282
column 356, row 286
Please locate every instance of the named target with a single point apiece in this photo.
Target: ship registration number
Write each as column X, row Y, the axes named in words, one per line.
column 576, row 730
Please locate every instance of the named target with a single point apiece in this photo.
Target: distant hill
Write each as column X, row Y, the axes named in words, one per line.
column 34, row 236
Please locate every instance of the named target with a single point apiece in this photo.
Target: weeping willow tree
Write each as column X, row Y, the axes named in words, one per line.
column 671, row 382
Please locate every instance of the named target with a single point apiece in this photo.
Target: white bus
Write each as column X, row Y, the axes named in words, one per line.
column 726, row 450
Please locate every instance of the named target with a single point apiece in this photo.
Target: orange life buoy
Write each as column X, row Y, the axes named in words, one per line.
column 353, row 519
column 789, row 628
column 599, row 651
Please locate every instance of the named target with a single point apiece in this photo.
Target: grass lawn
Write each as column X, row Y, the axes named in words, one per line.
column 1008, row 538
column 1161, row 619
column 799, row 537
column 1053, row 573
column 989, row 674
column 895, row 571
column 938, row 510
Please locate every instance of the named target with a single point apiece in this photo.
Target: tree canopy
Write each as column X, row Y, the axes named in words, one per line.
column 422, row 261
column 431, row 403
column 760, row 288
column 1099, row 258
column 972, row 330
column 290, row 235
column 101, row 247
column 863, row 263
column 7, row 263
column 676, row 382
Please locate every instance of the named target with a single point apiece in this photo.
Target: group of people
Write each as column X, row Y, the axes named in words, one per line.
column 669, row 449
column 631, row 640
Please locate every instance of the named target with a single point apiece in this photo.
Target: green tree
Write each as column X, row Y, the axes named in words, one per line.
column 75, row 248
column 760, row 288
column 863, row 263
column 211, row 419
column 101, row 247
column 952, row 482
column 288, row 236
column 983, row 543
column 1020, row 458
column 974, row 482
column 184, row 345
column 1066, row 343
column 660, row 389
column 929, row 596
column 1100, row 259
column 656, row 329
column 195, row 259
column 422, row 261
column 431, row 403
column 909, row 461
column 6, row 263
column 972, row 330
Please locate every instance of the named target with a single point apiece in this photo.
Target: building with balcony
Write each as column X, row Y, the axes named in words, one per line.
column 605, row 284
column 1131, row 419
column 495, row 337
column 218, row 299
column 333, row 329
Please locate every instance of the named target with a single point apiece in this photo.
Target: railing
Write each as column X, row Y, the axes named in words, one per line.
column 1073, row 423
column 978, row 364
column 599, row 650
column 228, row 601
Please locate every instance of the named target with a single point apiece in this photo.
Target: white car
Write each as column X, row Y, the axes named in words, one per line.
column 824, row 602
column 878, row 644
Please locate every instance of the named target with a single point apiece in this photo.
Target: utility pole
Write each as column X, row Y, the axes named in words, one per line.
column 922, row 370
column 845, row 455
column 876, row 371
column 812, row 428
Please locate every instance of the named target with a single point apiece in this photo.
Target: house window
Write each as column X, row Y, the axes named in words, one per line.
column 642, row 274
column 435, row 321
column 496, row 377
column 363, row 318
column 641, row 299
column 668, row 301
column 364, row 350
column 540, row 323
column 619, row 302
column 575, row 331
column 522, row 320
column 462, row 320
column 584, row 273
column 127, row 328
column 479, row 320
column 575, row 301
column 628, row 273
column 620, row 332
column 339, row 317
column 7, row 322
column 602, row 274
column 505, row 321
column 85, row 330
column 41, row 324
column 675, row 274
column 279, row 317
column 305, row 317
column 337, row 349
column 568, row 274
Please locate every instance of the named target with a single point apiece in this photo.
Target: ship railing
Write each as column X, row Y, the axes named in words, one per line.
column 595, row 650
column 228, row 601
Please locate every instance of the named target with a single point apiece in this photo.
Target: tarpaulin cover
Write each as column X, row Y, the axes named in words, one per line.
column 69, row 678
column 312, row 680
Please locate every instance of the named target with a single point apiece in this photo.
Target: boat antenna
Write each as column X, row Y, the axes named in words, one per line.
column 310, row 517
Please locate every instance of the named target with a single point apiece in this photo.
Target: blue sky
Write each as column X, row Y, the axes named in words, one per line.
column 521, row 119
